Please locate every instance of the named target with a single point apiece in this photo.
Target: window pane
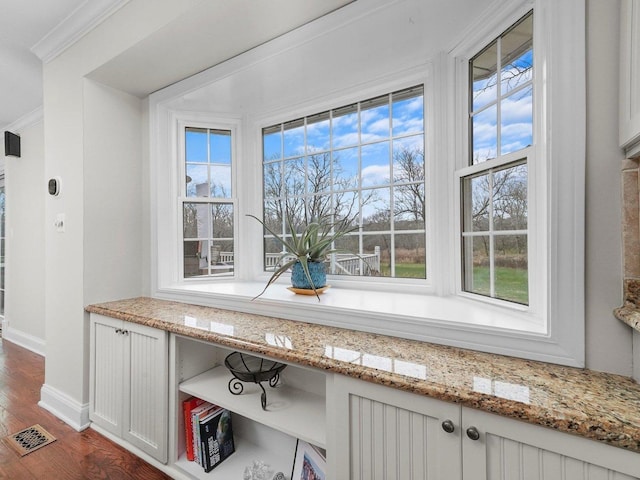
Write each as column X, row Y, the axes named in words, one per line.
column 319, row 173
column 345, row 127
column 194, row 263
column 516, row 130
column 196, row 145
column 374, row 119
column 272, row 143
column 477, row 276
column 375, row 164
column 376, row 249
column 517, row 55
column 408, row 111
column 220, row 146
column 272, row 180
column 346, row 205
column 476, row 198
column 484, row 77
column 409, row 207
column 319, row 206
column 511, row 267
column 196, row 220
column 222, row 220
column 222, row 257
column 197, row 181
column 485, row 135
column 318, row 133
column 273, row 214
column 294, row 138
column 408, row 159
column 345, row 169
column 510, row 198
column 294, row 177
column 410, row 255
column 221, row 181
column 376, row 209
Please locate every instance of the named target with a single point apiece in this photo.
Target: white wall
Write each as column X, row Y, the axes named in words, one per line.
column 84, row 264
column 26, row 190
column 608, row 341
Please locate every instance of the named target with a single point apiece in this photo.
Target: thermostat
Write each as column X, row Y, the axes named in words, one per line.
column 54, row 186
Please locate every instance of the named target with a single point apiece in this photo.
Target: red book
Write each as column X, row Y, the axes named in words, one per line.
column 187, row 406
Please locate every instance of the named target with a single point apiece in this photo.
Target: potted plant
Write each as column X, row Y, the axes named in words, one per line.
column 306, row 250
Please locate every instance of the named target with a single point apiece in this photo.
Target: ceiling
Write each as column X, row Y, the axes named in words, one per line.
column 240, row 26
column 23, row 24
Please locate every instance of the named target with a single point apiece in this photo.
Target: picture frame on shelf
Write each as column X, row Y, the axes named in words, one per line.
column 310, row 462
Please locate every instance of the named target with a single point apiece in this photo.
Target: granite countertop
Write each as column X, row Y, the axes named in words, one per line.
column 595, row 405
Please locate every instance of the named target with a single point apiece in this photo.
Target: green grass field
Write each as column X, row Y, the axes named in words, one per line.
column 511, row 283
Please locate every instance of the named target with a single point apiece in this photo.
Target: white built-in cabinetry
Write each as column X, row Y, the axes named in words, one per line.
column 369, row 431
column 630, row 77
column 394, row 435
column 128, row 383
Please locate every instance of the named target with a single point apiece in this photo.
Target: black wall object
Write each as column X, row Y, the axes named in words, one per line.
column 11, row 144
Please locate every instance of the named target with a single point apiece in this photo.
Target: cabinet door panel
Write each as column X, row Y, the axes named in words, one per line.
column 394, row 435
column 146, row 394
column 512, row 450
column 107, row 383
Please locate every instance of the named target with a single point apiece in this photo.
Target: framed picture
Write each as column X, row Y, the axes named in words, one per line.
column 310, row 462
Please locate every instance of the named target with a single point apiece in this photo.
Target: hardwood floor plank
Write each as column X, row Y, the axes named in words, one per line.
column 74, row 455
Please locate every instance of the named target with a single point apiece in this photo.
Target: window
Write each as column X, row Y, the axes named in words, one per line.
column 363, row 162
column 495, row 203
column 207, row 204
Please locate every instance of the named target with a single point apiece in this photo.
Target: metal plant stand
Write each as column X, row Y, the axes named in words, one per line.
column 246, row 368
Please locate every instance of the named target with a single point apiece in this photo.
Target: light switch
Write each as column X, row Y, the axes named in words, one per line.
column 59, row 223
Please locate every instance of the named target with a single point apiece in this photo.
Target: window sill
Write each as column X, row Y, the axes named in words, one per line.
column 450, row 320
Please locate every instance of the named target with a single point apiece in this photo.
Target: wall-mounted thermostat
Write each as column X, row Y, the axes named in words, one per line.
column 54, row 186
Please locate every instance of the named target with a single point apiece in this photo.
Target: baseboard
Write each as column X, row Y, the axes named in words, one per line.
column 25, row 340
column 70, row 411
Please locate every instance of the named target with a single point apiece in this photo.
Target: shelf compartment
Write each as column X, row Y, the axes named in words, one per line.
column 246, row 452
column 295, row 412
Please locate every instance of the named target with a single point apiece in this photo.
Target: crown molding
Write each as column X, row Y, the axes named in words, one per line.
column 80, row 22
column 26, row 121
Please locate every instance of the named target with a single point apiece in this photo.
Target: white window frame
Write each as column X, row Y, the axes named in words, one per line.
column 435, row 312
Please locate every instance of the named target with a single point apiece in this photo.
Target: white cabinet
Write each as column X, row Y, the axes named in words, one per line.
column 630, row 77
column 387, row 434
column 129, row 383
column 508, row 449
column 296, row 409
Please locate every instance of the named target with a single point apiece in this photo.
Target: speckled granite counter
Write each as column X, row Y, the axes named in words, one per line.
column 629, row 313
column 595, row 405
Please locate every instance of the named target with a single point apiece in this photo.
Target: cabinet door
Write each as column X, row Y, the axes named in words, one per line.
column 106, row 366
column 145, row 396
column 508, row 449
column 384, row 433
column 630, row 77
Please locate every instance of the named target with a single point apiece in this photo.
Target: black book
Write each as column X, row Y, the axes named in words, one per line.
column 216, row 438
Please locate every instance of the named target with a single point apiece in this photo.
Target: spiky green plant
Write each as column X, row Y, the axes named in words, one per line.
column 312, row 244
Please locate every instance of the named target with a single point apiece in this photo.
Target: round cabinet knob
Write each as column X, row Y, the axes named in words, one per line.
column 448, row 426
column 473, row 433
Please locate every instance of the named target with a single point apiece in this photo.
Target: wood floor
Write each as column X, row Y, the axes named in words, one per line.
column 74, row 455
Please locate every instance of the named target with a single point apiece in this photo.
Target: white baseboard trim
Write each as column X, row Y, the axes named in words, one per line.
column 25, row 340
column 70, row 411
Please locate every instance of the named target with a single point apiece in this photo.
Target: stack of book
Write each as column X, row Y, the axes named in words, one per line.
column 208, row 433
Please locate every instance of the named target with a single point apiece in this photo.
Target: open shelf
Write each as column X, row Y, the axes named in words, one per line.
column 246, row 452
column 297, row 413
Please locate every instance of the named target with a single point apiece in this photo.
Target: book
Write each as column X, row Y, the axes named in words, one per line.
column 198, row 413
column 187, row 407
column 216, row 438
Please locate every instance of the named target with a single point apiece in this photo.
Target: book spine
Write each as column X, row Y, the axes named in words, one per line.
column 188, row 406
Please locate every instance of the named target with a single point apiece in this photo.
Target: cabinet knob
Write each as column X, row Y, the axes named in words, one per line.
column 118, row 330
column 448, row 426
column 473, row 433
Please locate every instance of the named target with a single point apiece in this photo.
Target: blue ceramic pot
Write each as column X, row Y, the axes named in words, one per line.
column 317, row 272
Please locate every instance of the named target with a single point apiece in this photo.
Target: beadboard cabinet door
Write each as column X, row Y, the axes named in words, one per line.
column 387, row 434
column 129, row 383
column 508, row 449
